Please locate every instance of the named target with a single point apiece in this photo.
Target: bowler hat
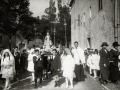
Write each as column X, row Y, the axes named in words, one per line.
column 104, row 44
column 116, row 44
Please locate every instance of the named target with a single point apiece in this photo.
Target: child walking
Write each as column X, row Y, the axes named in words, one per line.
column 68, row 67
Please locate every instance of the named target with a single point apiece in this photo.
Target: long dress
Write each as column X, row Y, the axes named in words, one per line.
column 8, row 68
column 95, row 62
column 114, row 70
column 104, row 59
column 68, row 66
column 30, row 63
column 23, row 61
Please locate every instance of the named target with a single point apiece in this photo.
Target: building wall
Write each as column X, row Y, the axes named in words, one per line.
column 99, row 28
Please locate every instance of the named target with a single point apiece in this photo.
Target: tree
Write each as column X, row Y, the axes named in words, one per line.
column 12, row 13
column 47, row 19
column 51, row 11
column 64, row 16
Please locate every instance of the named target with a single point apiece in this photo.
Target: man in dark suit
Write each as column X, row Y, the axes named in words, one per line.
column 38, row 67
column 104, row 63
column 23, row 61
column 55, row 66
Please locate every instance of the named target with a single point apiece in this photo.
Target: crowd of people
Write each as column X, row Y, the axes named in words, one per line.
column 106, row 62
column 70, row 62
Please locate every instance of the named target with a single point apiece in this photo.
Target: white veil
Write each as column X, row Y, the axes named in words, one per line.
column 10, row 54
column 11, row 58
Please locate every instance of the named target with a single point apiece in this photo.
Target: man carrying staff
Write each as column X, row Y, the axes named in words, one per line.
column 79, row 59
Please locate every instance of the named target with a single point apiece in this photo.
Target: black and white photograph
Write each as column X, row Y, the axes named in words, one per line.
column 59, row 44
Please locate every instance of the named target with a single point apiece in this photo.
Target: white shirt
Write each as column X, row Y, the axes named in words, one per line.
column 53, row 57
column 78, row 55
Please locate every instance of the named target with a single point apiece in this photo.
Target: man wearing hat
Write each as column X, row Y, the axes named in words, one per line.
column 104, row 63
column 114, row 70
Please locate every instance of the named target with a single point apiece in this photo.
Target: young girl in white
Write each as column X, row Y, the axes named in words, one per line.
column 7, row 67
column 68, row 67
column 31, row 64
column 94, row 62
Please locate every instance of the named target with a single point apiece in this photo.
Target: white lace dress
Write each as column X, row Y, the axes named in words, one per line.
column 7, row 68
column 30, row 63
column 68, row 66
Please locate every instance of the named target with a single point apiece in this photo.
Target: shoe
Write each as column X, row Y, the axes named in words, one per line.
column 8, row 87
column 40, row 86
column 58, row 84
column 104, row 83
column 95, row 77
column 66, row 86
column 75, row 79
column 35, row 86
column 116, row 82
column 71, row 87
column 55, row 84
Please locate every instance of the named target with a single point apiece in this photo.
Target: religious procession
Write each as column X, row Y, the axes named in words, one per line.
column 69, row 63
column 59, row 44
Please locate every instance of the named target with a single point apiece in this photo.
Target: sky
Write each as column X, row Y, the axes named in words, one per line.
column 38, row 7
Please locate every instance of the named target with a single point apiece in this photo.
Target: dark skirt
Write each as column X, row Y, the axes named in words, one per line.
column 45, row 62
column 114, row 72
column 38, row 73
column 104, row 73
column 79, row 72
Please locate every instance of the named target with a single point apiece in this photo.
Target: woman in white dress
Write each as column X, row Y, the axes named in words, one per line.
column 94, row 62
column 68, row 67
column 30, row 63
column 7, row 67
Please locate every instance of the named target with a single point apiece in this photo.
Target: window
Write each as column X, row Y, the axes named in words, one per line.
column 78, row 19
column 84, row 19
column 0, row 39
column 100, row 5
column 89, row 42
column 74, row 25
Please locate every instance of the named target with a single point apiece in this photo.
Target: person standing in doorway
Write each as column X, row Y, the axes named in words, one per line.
column 104, row 63
column 79, row 59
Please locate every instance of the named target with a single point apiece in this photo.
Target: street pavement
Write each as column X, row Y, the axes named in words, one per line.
column 89, row 84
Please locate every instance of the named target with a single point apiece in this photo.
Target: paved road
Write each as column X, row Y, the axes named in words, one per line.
column 88, row 84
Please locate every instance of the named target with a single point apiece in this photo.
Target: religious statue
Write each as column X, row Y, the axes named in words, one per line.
column 47, row 41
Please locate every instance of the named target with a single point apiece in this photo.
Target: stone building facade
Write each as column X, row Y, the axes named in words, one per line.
column 93, row 22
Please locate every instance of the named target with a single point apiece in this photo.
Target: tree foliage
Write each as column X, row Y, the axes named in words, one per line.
column 64, row 17
column 51, row 11
column 11, row 13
